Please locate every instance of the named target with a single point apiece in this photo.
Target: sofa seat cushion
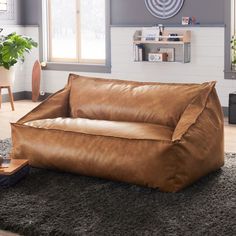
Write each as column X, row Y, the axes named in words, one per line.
column 128, row 130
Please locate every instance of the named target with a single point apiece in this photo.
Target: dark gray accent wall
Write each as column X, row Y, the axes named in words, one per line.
column 26, row 12
column 134, row 12
column 31, row 10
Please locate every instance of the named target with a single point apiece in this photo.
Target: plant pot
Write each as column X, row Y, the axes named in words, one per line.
column 7, row 77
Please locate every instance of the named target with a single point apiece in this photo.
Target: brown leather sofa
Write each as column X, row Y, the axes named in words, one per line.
column 159, row 135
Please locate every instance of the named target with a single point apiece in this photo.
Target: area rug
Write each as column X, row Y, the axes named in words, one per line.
column 54, row 203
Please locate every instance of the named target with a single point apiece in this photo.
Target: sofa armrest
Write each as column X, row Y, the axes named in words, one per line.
column 56, row 105
column 192, row 112
column 198, row 142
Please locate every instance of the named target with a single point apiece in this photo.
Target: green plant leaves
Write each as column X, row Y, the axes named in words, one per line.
column 13, row 47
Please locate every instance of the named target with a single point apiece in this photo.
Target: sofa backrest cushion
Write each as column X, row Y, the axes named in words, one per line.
column 118, row 100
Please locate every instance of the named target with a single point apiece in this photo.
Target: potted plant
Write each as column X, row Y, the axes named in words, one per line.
column 12, row 49
column 233, row 47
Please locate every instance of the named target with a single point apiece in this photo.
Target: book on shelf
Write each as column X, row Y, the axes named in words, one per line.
column 138, row 52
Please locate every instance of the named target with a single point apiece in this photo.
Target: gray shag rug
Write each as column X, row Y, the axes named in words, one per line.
column 52, row 203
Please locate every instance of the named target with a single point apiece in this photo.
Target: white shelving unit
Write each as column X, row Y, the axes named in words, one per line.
column 177, row 47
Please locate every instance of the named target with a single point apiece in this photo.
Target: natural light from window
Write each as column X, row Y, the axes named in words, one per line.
column 63, row 29
column 76, row 31
column 3, row 5
column 92, row 29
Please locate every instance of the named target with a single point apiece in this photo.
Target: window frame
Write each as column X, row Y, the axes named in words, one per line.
column 97, row 66
column 229, row 73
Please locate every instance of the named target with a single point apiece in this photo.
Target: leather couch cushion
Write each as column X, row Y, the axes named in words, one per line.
column 117, row 100
column 143, row 162
column 128, row 130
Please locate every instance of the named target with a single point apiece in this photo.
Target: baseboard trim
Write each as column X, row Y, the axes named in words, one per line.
column 28, row 96
column 17, row 96
column 22, row 96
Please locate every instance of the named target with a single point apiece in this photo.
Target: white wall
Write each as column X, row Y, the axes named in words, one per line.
column 30, row 59
column 19, row 84
column 207, row 63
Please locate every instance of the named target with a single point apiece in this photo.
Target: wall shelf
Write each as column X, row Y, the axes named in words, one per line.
column 163, row 48
column 157, row 42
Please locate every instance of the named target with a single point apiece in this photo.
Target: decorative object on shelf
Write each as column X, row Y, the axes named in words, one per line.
column 170, row 52
column 158, row 56
column 161, row 31
column 233, row 47
column 12, row 50
column 173, row 37
column 150, row 33
column 193, row 20
column 185, row 20
column 164, row 9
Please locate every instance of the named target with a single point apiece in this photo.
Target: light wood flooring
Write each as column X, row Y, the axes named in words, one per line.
column 7, row 115
column 24, row 106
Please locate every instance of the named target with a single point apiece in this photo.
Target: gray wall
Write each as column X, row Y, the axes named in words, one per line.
column 31, row 12
column 134, row 12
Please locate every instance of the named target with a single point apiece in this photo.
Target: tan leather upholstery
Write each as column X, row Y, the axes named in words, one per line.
column 163, row 136
column 131, row 101
column 129, row 130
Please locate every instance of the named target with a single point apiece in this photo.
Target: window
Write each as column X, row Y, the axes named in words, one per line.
column 76, row 32
column 233, row 35
column 3, row 5
column 230, row 39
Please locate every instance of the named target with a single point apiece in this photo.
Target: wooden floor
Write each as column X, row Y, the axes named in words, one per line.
column 7, row 115
column 22, row 107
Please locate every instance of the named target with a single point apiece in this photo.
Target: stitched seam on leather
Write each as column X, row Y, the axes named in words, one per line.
column 57, row 130
column 180, row 136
